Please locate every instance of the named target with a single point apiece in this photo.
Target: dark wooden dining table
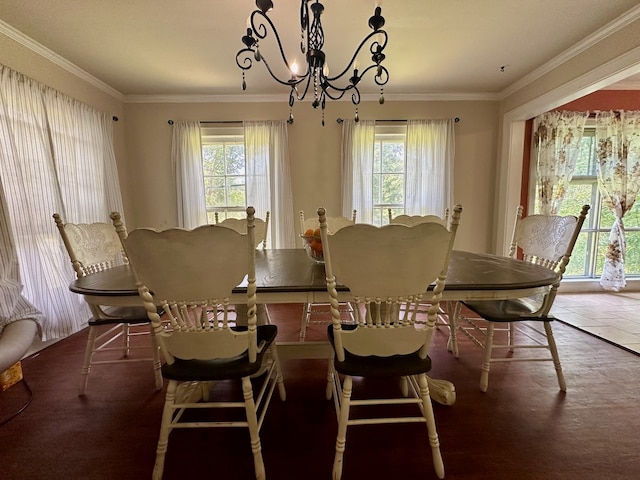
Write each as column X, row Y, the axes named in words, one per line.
column 290, row 276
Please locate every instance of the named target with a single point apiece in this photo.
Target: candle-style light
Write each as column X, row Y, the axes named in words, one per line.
column 316, row 77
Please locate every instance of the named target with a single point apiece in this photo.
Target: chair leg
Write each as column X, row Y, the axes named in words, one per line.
column 556, row 358
column 453, row 310
column 88, row 354
column 404, row 386
column 279, row 377
column 252, row 420
column 330, row 380
column 304, row 320
column 343, row 419
column 427, row 410
column 126, row 339
column 157, row 364
column 486, row 362
column 165, row 429
column 512, row 336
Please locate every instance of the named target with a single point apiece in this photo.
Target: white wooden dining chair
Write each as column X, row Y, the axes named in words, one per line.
column 94, row 248
column 446, row 317
column 318, row 313
column 261, row 231
column 192, row 274
column 546, row 240
column 388, row 271
column 240, row 225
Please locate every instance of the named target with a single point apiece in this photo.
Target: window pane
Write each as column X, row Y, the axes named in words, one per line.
column 376, row 157
column 603, row 242
column 585, row 164
column 632, row 260
column 377, row 190
column 393, row 157
column 213, row 159
column 632, row 218
column 235, row 159
column 236, row 196
column 393, row 189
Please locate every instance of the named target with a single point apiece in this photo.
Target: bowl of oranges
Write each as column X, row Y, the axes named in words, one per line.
column 313, row 244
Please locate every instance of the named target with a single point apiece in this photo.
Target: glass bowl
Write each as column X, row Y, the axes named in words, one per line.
column 313, row 247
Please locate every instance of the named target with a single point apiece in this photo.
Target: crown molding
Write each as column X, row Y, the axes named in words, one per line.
column 53, row 57
column 279, row 98
column 629, row 17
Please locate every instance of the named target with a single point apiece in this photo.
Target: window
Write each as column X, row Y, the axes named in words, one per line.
column 588, row 255
column 224, row 169
column 389, row 168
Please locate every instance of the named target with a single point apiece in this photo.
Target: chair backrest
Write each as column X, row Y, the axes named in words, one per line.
column 191, row 275
column 92, row 247
column 411, row 220
column 547, row 240
column 415, row 219
column 334, row 223
column 388, row 270
column 261, row 228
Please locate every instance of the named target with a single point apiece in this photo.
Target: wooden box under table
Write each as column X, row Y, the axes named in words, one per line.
column 10, row 376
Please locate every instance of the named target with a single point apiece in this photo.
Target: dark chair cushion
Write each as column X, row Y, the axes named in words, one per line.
column 131, row 315
column 512, row 310
column 379, row 367
column 224, row 368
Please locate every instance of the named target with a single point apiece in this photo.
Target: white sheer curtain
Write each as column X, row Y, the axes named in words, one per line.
column 430, row 149
column 618, row 140
column 358, row 141
column 186, row 156
column 266, row 151
column 13, row 305
column 56, row 155
column 556, row 144
column 429, row 180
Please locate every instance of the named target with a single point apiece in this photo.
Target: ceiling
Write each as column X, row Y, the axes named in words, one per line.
column 184, row 48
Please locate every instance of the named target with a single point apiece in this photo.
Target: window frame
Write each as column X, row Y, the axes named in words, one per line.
column 216, row 135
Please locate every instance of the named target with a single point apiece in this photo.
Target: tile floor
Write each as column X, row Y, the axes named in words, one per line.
column 614, row 317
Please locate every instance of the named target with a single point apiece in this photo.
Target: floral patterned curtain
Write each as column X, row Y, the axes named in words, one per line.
column 618, row 144
column 556, row 143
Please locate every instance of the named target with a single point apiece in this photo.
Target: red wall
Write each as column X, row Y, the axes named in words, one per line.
column 600, row 100
column 605, row 100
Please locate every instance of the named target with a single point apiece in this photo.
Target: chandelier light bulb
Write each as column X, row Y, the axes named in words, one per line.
column 295, row 69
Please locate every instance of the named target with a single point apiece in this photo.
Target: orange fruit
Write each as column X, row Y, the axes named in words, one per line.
column 316, row 232
column 316, row 245
column 308, row 232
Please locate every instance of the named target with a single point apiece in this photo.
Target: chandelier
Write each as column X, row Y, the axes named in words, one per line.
column 316, row 78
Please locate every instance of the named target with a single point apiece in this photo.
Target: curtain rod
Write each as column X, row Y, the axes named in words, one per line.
column 340, row 120
column 170, row 122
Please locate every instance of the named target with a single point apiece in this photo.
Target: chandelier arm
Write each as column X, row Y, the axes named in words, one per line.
column 382, row 76
column 375, row 43
column 306, row 87
column 260, row 30
column 246, row 60
column 330, row 88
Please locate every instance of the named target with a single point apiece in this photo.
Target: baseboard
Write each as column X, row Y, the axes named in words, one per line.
column 569, row 285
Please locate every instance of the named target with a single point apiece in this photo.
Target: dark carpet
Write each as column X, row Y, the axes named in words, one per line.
column 522, row 428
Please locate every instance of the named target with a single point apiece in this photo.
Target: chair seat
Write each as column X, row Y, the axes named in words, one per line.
column 130, row 315
column 506, row 310
column 379, row 367
column 221, row 369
